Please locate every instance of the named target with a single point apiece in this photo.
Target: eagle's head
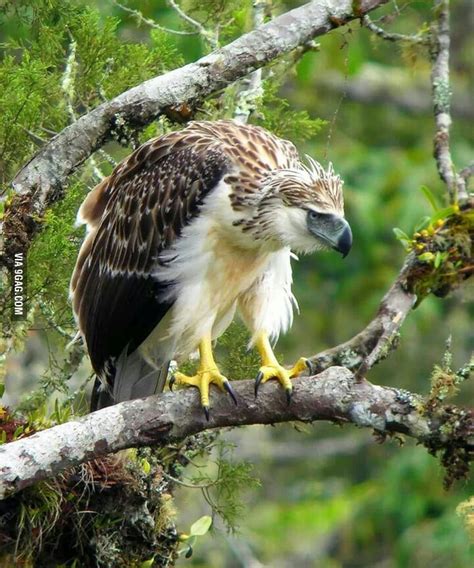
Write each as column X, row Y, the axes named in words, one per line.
column 303, row 208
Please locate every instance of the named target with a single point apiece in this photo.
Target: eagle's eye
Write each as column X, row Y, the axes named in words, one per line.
column 314, row 215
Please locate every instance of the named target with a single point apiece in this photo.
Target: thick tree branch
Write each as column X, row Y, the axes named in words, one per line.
column 42, row 180
column 333, row 395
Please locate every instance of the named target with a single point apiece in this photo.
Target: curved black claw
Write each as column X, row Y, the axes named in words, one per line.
column 206, row 412
column 309, row 366
column 230, row 390
column 258, row 380
column 289, row 393
column 172, row 382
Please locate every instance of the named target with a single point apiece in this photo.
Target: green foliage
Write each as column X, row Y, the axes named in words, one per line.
column 278, row 116
column 238, row 361
column 225, row 20
column 223, row 490
column 35, row 63
column 198, row 528
column 53, row 254
column 29, row 99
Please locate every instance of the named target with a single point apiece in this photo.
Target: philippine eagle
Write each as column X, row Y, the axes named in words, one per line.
column 191, row 227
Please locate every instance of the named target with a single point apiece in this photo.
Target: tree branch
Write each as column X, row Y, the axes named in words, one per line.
column 441, row 93
column 374, row 342
column 252, row 89
column 42, row 180
column 384, row 85
column 141, row 19
column 392, row 36
column 333, row 395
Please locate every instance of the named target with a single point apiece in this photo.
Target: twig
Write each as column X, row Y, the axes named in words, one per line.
column 467, row 172
column 141, row 19
column 252, row 86
column 108, row 157
column 441, row 93
column 69, row 76
column 211, row 37
column 463, row 179
column 374, row 342
column 378, row 85
column 34, row 137
column 170, row 417
column 68, row 88
column 188, row 485
column 383, row 346
column 392, row 36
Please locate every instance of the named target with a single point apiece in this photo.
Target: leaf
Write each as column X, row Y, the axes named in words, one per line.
column 148, row 563
column 401, row 235
column 437, row 260
column 189, row 552
column 426, row 257
column 18, row 431
column 201, row 526
column 146, row 466
column 424, row 222
column 443, row 213
column 430, row 197
column 2, row 389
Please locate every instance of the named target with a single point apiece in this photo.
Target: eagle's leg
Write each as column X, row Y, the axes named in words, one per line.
column 271, row 369
column 207, row 373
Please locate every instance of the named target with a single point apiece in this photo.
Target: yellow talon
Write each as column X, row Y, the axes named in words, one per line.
column 271, row 369
column 202, row 379
column 207, row 373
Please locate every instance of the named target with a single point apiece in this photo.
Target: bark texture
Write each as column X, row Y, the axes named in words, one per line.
column 333, row 395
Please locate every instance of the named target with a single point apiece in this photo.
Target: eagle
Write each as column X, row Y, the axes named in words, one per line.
column 192, row 227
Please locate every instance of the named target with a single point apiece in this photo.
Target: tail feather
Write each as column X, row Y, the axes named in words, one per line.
column 133, row 378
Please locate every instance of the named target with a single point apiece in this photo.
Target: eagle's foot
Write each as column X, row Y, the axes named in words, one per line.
column 202, row 379
column 207, row 374
column 282, row 375
column 271, row 369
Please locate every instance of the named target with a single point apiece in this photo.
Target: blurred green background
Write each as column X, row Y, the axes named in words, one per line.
column 328, row 496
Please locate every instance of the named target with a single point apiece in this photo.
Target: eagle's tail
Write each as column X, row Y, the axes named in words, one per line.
column 131, row 378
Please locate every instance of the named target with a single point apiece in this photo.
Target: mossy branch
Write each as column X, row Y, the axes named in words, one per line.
column 440, row 260
column 333, row 395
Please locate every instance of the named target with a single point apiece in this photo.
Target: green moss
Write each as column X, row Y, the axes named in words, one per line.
column 455, row 424
column 443, row 254
column 74, row 518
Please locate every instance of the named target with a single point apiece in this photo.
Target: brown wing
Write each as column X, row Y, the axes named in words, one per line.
column 132, row 217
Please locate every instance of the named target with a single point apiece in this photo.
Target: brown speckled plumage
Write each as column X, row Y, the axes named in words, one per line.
column 141, row 209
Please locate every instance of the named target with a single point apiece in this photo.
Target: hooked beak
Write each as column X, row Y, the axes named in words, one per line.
column 344, row 241
column 333, row 230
